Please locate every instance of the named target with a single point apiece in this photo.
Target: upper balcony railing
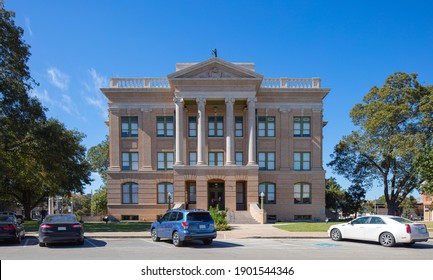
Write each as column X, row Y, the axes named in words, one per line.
column 291, row 83
column 139, row 83
column 163, row 83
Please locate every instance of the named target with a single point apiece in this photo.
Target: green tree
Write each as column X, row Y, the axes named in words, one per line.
column 98, row 156
column 384, row 150
column 99, row 201
column 19, row 113
column 409, row 205
column 52, row 164
column 334, row 194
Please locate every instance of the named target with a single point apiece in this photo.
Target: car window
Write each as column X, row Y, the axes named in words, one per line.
column 7, row 219
column 402, row 220
column 376, row 220
column 165, row 217
column 362, row 220
column 179, row 216
column 60, row 219
column 173, row 216
column 199, row 217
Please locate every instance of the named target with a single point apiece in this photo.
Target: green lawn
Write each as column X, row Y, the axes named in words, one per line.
column 305, row 226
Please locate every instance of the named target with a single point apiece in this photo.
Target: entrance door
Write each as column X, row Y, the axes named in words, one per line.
column 216, row 195
column 241, row 201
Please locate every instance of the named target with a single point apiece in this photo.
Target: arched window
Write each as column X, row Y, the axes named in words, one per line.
column 269, row 190
column 130, row 193
column 164, row 189
column 302, row 193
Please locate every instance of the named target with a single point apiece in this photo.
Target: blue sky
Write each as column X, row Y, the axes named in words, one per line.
column 352, row 46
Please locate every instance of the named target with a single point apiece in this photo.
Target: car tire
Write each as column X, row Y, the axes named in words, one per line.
column 336, row 234
column 207, row 241
column 18, row 239
column 154, row 235
column 176, row 239
column 42, row 244
column 387, row 239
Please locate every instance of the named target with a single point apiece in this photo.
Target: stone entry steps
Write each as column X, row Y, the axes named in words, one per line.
column 240, row 217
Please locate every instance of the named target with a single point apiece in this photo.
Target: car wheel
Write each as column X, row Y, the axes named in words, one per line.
column 18, row 238
column 207, row 241
column 176, row 239
column 154, row 235
column 387, row 239
column 336, row 234
column 42, row 244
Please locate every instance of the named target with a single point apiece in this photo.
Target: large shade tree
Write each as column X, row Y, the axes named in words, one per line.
column 383, row 151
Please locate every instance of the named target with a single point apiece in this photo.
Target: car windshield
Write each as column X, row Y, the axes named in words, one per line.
column 7, row 219
column 199, row 217
column 402, row 220
column 61, row 219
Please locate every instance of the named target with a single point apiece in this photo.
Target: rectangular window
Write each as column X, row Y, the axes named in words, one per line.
column 239, row 126
column 192, row 192
column 215, row 126
column 165, row 126
column 302, row 193
column 164, row 191
column 216, row 158
column 266, row 127
column 129, row 126
column 268, row 190
column 239, row 158
column 302, row 127
column 266, row 160
column 303, row 218
column 302, row 161
column 130, row 161
column 165, row 161
column 192, row 158
column 130, row 193
column 192, row 126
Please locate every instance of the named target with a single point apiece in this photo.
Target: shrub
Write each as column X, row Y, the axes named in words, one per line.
column 220, row 218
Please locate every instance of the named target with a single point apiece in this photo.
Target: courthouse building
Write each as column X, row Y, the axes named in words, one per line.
column 216, row 133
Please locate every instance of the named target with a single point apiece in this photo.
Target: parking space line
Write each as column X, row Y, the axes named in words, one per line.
column 162, row 244
column 90, row 242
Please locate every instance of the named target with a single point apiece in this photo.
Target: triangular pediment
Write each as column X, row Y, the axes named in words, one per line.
column 214, row 68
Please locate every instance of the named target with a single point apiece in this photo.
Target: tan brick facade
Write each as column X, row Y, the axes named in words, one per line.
column 226, row 115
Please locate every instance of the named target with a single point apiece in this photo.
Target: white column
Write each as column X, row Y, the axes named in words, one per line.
column 201, row 131
column 230, row 140
column 179, row 130
column 252, row 130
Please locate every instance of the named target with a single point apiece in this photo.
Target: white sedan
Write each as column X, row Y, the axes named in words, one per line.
column 385, row 229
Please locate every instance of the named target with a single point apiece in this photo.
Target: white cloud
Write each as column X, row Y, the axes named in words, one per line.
column 58, row 79
column 29, row 29
column 95, row 96
column 65, row 102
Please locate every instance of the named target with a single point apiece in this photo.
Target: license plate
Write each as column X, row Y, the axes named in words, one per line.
column 202, row 227
column 61, row 228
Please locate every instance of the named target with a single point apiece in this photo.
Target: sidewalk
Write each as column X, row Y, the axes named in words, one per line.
column 238, row 231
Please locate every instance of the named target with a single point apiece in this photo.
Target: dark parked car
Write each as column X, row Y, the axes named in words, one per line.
column 61, row 229
column 181, row 225
column 11, row 229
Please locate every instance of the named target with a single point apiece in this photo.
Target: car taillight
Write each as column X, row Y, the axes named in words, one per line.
column 45, row 226
column 76, row 226
column 9, row 227
column 185, row 225
column 408, row 230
